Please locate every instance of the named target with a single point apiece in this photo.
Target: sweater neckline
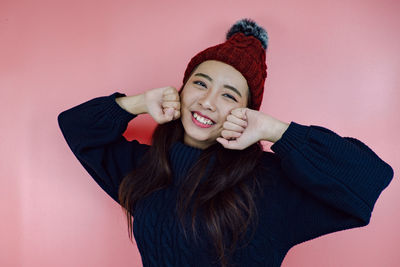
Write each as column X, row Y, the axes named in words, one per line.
column 183, row 157
column 181, row 145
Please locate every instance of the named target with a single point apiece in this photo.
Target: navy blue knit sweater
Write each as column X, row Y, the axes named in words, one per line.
column 323, row 183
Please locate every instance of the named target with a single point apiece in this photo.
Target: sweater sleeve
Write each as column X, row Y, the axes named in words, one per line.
column 326, row 183
column 93, row 131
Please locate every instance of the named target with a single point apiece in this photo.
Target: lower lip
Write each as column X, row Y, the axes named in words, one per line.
column 201, row 124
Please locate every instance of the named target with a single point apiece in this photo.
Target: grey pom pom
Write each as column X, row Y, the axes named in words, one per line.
column 249, row 27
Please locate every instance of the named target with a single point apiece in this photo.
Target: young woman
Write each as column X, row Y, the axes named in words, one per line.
column 205, row 193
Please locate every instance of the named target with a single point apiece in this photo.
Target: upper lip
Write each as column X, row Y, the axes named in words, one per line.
column 204, row 116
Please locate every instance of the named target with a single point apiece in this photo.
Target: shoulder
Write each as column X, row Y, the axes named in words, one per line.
column 268, row 171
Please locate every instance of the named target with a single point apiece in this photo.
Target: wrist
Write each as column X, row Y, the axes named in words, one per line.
column 280, row 129
column 133, row 104
column 273, row 129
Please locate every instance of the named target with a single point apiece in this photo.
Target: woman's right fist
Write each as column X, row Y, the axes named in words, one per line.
column 163, row 104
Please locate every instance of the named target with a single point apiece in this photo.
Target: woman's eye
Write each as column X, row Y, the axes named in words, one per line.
column 201, row 83
column 205, row 86
column 230, row 96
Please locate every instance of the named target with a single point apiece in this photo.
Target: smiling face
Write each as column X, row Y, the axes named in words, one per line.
column 211, row 92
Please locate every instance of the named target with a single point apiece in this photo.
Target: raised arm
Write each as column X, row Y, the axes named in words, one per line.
column 325, row 183
column 93, row 131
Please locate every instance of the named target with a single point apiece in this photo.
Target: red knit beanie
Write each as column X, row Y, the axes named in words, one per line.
column 244, row 49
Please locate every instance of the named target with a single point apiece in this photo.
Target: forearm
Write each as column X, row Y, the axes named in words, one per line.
column 133, row 104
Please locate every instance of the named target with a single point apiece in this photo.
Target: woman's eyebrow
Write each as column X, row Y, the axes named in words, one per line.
column 225, row 85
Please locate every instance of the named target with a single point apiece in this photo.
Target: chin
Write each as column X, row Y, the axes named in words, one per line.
column 195, row 135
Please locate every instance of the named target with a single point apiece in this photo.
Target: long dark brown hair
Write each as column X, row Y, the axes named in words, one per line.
column 225, row 198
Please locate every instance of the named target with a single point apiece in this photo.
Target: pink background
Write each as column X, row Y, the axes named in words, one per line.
column 330, row 63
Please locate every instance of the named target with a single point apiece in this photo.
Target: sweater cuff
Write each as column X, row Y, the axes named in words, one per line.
column 294, row 136
column 115, row 111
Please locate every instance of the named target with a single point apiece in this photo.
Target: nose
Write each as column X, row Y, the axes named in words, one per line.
column 207, row 101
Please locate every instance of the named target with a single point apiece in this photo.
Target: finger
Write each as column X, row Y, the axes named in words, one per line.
column 236, row 120
column 229, row 144
column 171, row 97
column 240, row 113
column 222, row 141
column 158, row 114
column 168, row 115
column 230, row 134
column 177, row 114
column 171, row 104
column 232, row 127
column 170, row 91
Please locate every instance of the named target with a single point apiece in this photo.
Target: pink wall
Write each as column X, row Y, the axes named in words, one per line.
column 331, row 63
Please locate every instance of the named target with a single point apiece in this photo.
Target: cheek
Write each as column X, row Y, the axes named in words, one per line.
column 185, row 103
column 185, row 106
column 224, row 113
column 188, row 98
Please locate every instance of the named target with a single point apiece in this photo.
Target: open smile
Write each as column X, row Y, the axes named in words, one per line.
column 201, row 121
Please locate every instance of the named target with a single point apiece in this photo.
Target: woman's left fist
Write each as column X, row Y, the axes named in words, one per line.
column 244, row 127
column 241, row 129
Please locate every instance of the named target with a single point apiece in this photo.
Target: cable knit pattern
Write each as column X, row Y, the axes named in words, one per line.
column 321, row 183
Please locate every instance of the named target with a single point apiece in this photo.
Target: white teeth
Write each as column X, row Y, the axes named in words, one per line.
column 202, row 119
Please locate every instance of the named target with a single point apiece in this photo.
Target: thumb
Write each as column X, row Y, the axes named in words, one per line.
column 225, row 143
column 169, row 113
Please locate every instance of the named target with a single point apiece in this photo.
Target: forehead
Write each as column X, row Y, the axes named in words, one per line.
column 222, row 73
